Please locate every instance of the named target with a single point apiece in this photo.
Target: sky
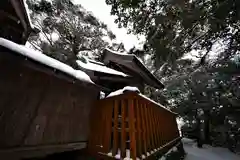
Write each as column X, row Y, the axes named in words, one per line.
column 102, row 11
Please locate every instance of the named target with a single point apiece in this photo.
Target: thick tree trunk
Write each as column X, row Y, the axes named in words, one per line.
column 198, row 133
column 207, row 128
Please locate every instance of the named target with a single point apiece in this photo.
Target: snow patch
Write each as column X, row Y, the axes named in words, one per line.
column 121, row 91
column 102, row 95
column 98, row 67
column 207, row 152
column 40, row 57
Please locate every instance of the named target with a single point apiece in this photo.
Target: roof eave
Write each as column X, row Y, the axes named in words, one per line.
column 156, row 83
column 132, row 58
column 20, row 8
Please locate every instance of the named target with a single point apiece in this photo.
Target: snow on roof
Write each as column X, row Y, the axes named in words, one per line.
column 124, row 54
column 40, row 57
column 90, row 65
column 137, row 66
column 129, row 55
column 121, row 91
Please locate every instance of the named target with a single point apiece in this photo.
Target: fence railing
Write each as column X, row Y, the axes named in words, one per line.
column 131, row 125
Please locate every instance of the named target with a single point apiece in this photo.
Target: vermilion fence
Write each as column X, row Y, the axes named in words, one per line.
column 131, row 125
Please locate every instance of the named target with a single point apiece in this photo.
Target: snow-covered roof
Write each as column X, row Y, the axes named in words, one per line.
column 42, row 58
column 99, row 67
column 132, row 63
column 125, row 54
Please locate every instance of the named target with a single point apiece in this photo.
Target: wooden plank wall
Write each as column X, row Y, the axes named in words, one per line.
column 41, row 109
column 133, row 127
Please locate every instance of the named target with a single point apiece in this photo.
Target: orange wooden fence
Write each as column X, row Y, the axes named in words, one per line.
column 131, row 125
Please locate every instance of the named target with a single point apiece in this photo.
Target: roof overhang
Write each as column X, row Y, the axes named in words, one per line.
column 133, row 64
column 15, row 15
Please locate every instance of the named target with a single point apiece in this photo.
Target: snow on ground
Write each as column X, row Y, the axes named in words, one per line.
column 207, row 152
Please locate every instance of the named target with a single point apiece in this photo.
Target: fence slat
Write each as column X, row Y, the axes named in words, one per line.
column 154, row 128
column 99, row 137
column 132, row 131
column 93, row 127
column 150, row 127
column 158, row 129
column 108, row 129
column 147, row 127
column 123, row 129
column 162, row 126
column 115, row 128
column 139, row 130
column 143, row 128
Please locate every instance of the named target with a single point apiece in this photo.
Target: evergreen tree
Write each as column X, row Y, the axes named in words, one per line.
column 175, row 27
column 67, row 29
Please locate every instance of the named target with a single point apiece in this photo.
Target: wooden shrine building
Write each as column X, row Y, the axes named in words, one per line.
column 48, row 107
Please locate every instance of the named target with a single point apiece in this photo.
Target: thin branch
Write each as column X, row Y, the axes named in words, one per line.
column 188, row 30
column 45, row 33
column 36, row 47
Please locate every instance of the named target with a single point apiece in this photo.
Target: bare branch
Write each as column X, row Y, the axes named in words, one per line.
column 35, row 46
column 45, row 35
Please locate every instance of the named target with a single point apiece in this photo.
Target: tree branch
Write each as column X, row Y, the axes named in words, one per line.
column 36, row 47
column 45, row 35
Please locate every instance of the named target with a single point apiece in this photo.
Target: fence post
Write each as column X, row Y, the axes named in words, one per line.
column 123, row 129
column 132, row 131
column 115, row 128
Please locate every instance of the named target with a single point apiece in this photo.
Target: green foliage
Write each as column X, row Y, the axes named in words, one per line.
column 66, row 30
column 213, row 88
column 173, row 28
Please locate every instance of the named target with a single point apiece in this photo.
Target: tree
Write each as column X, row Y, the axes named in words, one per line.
column 67, row 30
column 175, row 27
column 214, row 88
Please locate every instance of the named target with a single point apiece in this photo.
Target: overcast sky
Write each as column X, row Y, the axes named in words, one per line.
column 102, row 12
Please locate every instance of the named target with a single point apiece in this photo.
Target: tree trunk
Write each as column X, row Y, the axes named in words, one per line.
column 207, row 127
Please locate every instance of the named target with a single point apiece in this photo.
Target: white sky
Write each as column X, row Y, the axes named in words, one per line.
column 102, row 11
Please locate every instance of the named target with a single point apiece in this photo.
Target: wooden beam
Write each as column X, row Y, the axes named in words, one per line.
column 18, row 9
column 40, row 150
column 8, row 15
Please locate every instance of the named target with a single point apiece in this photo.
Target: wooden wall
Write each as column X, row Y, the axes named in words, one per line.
column 38, row 108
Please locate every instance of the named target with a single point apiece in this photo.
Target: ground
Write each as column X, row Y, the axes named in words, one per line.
column 207, row 152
